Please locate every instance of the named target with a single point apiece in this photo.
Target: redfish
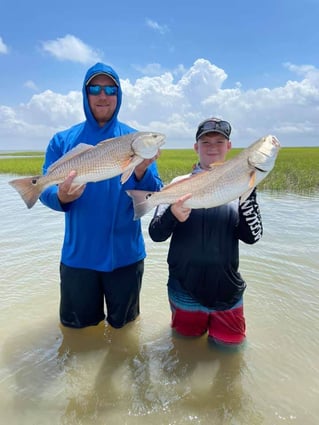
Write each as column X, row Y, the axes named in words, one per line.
column 109, row 158
column 224, row 182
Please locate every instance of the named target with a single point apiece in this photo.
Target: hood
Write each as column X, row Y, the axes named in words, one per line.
column 95, row 69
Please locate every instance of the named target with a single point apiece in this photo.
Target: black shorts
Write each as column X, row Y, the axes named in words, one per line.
column 83, row 292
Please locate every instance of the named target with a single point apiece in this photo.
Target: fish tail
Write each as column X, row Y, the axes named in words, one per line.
column 141, row 203
column 28, row 188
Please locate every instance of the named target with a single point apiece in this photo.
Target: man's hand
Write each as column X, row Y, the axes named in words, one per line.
column 66, row 192
column 179, row 211
column 141, row 168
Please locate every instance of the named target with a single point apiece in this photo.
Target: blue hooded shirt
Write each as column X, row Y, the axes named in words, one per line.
column 100, row 233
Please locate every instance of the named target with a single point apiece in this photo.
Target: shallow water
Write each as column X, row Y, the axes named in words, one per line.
column 143, row 374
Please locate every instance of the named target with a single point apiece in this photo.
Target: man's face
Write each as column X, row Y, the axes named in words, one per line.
column 102, row 106
column 212, row 147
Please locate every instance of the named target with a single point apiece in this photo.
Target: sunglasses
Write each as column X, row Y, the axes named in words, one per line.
column 108, row 90
column 222, row 126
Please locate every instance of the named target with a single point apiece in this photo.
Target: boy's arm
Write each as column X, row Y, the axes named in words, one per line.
column 250, row 228
column 162, row 224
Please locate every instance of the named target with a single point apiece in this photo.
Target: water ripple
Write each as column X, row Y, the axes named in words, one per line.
column 143, row 374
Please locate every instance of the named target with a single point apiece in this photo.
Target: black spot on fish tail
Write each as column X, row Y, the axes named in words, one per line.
column 28, row 188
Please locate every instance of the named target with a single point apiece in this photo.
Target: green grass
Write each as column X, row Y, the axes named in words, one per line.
column 29, row 166
column 296, row 169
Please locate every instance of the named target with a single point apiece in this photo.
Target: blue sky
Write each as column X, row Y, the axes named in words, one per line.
column 255, row 64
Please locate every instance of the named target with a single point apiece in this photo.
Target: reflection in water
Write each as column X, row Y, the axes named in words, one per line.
column 172, row 375
column 143, row 374
column 29, row 372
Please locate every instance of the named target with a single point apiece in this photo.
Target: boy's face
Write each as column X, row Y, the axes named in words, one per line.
column 212, row 147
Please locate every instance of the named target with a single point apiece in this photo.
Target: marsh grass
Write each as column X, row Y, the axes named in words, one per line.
column 28, row 166
column 296, row 169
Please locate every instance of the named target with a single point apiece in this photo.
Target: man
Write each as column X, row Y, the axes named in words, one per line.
column 205, row 288
column 103, row 250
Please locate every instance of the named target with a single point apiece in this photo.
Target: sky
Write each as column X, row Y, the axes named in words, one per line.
column 254, row 64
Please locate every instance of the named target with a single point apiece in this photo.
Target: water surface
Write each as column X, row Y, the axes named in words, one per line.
column 144, row 374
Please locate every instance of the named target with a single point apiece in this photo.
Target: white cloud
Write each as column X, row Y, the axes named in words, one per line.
column 150, row 69
column 175, row 104
column 54, row 109
column 71, row 48
column 299, row 69
column 3, row 47
column 162, row 29
column 31, row 85
column 31, row 125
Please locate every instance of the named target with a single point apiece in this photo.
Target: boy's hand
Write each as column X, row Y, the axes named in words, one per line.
column 179, row 210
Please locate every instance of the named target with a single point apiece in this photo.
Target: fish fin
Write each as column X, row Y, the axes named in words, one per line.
column 126, row 175
column 79, row 149
column 252, row 183
column 245, row 195
column 141, row 202
column 74, row 188
column 128, row 167
column 213, row 164
column 28, row 189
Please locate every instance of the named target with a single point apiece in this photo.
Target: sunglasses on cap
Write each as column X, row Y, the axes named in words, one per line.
column 95, row 90
column 208, row 126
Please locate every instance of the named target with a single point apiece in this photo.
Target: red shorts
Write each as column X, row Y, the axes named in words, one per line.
column 193, row 319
